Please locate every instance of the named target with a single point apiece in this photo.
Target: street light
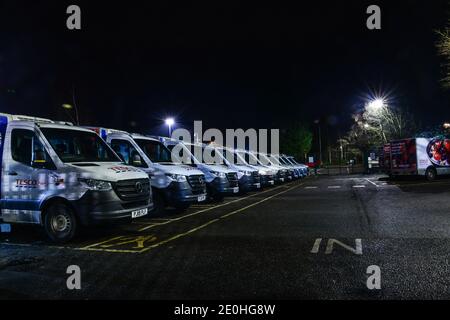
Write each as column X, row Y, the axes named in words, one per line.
column 170, row 122
column 446, row 125
column 376, row 104
column 70, row 107
column 378, row 109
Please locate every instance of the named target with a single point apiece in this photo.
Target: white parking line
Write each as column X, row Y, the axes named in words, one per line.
column 311, row 187
column 359, row 186
column 334, row 187
column 372, row 182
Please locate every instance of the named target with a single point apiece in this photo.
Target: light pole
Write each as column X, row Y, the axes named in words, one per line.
column 320, row 140
column 170, row 122
column 68, row 107
column 73, row 106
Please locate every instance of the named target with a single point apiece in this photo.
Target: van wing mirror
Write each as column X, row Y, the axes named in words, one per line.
column 43, row 164
column 40, row 160
column 137, row 160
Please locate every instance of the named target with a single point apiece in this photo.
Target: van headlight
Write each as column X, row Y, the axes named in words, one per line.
column 177, row 177
column 218, row 174
column 96, row 185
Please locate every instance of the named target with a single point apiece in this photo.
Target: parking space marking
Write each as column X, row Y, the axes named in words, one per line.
column 361, row 186
column 311, row 188
column 216, row 220
column 207, row 209
column 99, row 243
column 334, row 187
column 371, row 182
column 107, row 250
column 139, row 241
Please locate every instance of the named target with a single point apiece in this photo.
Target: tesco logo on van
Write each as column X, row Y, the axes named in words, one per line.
column 27, row 183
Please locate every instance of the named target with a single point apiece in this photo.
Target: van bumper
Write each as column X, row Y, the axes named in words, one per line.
column 249, row 183
column 267, row 180
column 181, row 193
column 97, row 207
column 222, row 185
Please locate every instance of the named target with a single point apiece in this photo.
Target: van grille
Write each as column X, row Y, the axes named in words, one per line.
column 133, row 190
column 282, row 174
column 256, row 177
column 197, row 184
column 233, row 179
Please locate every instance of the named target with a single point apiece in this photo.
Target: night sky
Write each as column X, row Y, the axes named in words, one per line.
column 232, row 66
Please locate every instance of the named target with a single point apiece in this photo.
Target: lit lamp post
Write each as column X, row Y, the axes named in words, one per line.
column 376, row 107
column 69, row 107
column 170, row 122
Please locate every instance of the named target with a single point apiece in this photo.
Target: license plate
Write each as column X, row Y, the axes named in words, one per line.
column 236, row 190
column 139, row 213
column 272, row 182
column 201, row 198
column 258, row 185
column 282, row 179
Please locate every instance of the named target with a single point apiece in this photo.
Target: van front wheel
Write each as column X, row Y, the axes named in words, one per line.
column 60, row 223
column 431, row 174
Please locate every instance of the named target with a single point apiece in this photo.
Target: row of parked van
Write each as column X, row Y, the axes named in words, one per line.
column 62, row 177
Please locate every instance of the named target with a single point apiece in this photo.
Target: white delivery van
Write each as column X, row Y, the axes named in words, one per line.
column 173, row 185
column 281, row 175
column 220, row 180
column 249, row 177
column 304, row 168
column 274, row 160
column 60, row 176
column 267, row 174
column 297, row 174
column 417, row 156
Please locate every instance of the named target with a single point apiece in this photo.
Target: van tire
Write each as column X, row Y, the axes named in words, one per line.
column 60, row 223
column 430, row 174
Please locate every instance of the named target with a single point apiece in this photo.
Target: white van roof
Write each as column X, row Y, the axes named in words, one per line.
column 142, row 136
column 13, row 117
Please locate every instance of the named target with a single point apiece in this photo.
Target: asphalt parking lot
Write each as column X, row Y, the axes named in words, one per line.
column 274, row 244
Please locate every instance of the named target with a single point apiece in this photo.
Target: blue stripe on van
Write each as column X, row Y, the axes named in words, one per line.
column 3, row 125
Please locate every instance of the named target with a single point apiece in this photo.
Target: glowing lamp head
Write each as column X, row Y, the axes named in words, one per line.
column 170, row 122
column 376, row 104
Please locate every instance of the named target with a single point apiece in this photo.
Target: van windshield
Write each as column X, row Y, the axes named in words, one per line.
column 231, row 155
column 155, row 150
column 78, row 146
